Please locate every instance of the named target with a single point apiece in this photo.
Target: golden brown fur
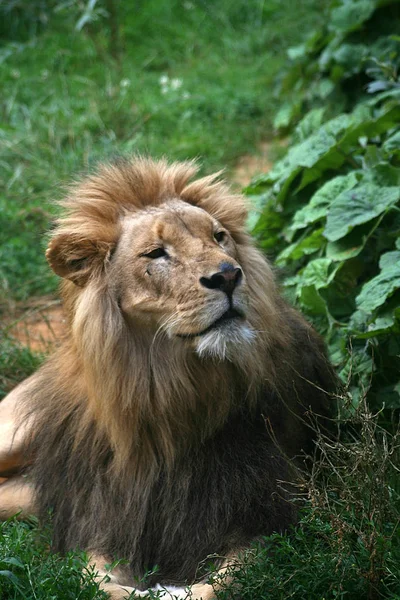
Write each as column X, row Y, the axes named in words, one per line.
column 149, row 422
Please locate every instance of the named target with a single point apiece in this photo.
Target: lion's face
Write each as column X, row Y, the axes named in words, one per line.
column 176, row 270
column 150, row 255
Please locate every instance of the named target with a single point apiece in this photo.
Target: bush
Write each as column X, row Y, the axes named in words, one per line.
column 330, row 209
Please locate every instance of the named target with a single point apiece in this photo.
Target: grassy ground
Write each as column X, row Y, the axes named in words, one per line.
column 192, row 80
column 188, row 79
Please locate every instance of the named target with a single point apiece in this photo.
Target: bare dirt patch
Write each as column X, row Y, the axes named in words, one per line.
column 41, row 326
column 250, row 165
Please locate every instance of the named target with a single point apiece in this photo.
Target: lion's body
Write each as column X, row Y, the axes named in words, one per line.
column 217, row 497
column 159, row 424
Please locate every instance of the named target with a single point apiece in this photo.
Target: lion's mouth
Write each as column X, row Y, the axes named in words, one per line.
column 229, row 315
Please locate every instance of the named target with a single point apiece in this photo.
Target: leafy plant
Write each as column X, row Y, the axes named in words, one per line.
column 331, row 217
column 356, row 51
column 28, row 570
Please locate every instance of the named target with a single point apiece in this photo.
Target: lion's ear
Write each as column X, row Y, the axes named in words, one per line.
column 76, row 258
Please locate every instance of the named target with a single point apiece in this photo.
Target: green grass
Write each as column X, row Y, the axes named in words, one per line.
column 66, row 103
column 16, row 363
column 28, row 571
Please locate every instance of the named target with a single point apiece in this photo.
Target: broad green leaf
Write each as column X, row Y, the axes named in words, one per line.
column 351, row 57
column 323, row 88
column 350, row 14
column 382, row 174
column 379, row 326
column 358, row 322
column 291, row 281
column 310, row 244
column 285, row 115
column 311, row 300
column 365, row 125
column 318, row 273
column 352, row 244
column 357, row 206
column 324, row 150
column 387, row 320
column 389, row 259
column 343, row 249
column 377, row 290
column 373, row 156
column 376, row 99
column 257, row 203
column 305, row 154
column 309, row 124
column 318, row 206
column 392, row 144
column 338, row 125
column 295, row 52
column 310, row 151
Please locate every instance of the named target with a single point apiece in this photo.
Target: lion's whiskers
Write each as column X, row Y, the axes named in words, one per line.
column 163, row 331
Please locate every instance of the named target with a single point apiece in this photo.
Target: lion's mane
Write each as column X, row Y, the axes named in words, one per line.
column 155, row 454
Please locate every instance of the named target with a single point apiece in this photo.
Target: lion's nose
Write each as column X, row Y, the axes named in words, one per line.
column 225, row 280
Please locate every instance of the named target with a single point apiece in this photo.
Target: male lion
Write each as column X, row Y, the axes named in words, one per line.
column 160, row 427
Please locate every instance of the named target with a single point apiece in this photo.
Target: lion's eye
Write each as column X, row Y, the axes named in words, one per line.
column 156, row 253
column 220, row 236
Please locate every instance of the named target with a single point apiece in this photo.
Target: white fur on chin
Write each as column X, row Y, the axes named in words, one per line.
column 226, row 342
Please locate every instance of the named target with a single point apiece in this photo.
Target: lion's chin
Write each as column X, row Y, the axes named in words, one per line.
column 226, row 342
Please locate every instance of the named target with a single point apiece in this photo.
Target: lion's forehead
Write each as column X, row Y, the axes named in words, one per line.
column 175, row 222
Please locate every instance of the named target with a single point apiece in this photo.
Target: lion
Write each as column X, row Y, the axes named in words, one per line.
column 158, row 431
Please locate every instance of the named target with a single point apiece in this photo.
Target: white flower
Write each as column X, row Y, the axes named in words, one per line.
column 176, row 84
column 164, row 79
column 124, row 83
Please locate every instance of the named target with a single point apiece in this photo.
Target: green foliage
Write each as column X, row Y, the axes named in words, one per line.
column 355, row 51
column 28, row 570
column 16, row 363
column 331, row 210
column 167, row 81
